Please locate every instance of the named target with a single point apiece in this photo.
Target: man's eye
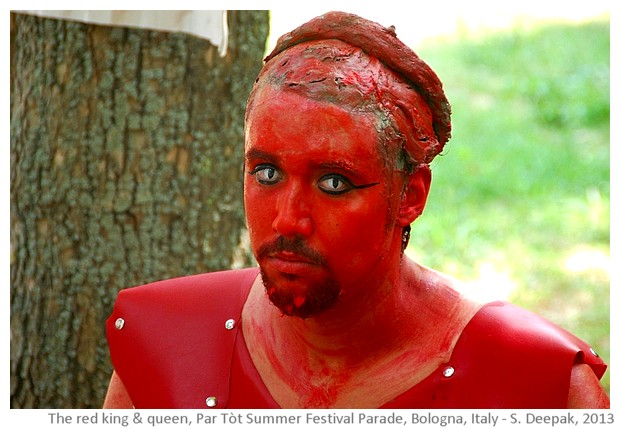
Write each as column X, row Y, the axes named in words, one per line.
column 266, row 174
column 335, row 184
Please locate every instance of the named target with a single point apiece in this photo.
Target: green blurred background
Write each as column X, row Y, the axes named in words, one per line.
column 520, row 203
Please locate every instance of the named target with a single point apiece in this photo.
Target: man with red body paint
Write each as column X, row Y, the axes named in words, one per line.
column 341, row 126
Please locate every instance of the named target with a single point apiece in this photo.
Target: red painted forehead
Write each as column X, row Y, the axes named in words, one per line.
column 382, row 43
column 337, row 72
column 287, row 119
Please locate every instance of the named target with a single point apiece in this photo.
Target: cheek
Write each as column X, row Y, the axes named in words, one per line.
column 254, row 215
column 359, row 227
column 257, row 209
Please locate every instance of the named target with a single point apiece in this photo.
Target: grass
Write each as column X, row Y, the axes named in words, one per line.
column 519, row 206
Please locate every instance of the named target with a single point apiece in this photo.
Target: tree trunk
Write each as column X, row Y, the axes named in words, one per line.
column 126, row 167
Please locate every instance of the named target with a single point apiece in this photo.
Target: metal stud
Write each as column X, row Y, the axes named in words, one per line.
column 119, row 323
column 230, row 324
column 211, row 401
column 448, row 372
column 593, row 352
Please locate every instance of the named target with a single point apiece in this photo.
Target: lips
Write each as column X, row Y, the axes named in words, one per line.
column 289, row 263
column 290, row 256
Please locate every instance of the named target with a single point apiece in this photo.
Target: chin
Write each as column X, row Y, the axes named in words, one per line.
column 299, row 297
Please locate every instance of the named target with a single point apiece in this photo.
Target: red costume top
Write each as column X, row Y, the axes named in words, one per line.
column 178, row 344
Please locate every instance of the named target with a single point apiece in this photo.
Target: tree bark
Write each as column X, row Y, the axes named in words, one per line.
column 126, row 167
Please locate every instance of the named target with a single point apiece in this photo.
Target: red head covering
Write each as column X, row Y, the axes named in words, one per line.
column 410, row 73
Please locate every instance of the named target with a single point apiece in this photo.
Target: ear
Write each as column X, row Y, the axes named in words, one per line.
column 415, row 193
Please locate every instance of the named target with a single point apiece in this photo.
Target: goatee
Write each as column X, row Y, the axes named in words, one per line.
column 313, row 296
column 319, row 297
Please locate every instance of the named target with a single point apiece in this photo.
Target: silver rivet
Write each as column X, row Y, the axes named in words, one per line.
column 448, row 371
column 119, row 323
column 211, row 401
column 230, row 324
column 593, row 352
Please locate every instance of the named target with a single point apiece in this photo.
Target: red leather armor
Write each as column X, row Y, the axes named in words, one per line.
column 172, row 347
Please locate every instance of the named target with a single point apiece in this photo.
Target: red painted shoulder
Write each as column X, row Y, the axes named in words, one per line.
column 169, row 341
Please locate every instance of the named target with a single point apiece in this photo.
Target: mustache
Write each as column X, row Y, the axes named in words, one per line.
column 294, row 245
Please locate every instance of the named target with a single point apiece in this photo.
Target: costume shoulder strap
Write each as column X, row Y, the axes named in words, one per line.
column 508, row 357
column 171, row 342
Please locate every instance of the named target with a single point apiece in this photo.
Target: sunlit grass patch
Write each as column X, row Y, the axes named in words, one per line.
column 519, row 206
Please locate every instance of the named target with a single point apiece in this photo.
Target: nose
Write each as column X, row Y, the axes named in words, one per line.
column 292, row 213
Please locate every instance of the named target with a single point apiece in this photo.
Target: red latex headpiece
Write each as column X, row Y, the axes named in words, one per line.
column 420, row 94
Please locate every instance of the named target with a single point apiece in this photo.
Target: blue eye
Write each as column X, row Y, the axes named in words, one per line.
column 266, row 174
column 335, row 184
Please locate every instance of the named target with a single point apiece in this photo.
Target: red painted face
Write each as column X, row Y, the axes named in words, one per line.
column 321, row 205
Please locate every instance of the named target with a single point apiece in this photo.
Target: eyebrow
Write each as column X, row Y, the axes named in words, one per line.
column 253, row 154
column 336, row 165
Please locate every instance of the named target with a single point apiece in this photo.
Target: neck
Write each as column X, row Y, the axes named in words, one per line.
column 342, row 354
column 371, row 319
column 361, row 327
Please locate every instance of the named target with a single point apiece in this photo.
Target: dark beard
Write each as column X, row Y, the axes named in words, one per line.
column 319, row 298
